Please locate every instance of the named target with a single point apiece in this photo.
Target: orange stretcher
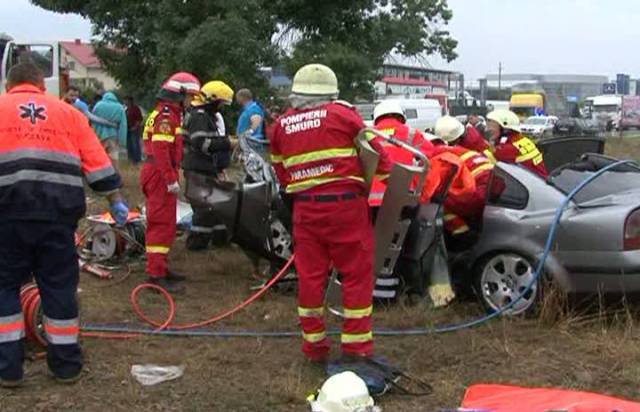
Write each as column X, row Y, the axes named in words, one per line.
column 503, row 398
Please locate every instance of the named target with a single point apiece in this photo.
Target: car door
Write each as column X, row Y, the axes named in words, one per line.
column 518, row 212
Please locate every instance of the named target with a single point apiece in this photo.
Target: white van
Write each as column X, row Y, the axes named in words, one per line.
column 44, row 54
column 421, row 114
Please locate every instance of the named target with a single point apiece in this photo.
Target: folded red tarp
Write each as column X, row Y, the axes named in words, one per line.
column 502, row 398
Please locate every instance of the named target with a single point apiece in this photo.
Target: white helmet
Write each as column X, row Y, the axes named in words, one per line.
column 449, row 129
column 387, row 107
column 315, row 80
column 344, row 392
column 505, row 118
column 430, row 136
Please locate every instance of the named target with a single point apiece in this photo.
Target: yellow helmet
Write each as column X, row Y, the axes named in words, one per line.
column 315, row 80
column 214, row 91
column 197, row 100
column 505, row 118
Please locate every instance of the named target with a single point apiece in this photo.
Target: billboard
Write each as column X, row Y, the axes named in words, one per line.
column 630, row 112
column 609, row 88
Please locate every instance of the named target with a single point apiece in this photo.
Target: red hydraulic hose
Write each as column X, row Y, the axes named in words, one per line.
column 30, row 298
column 168, row 322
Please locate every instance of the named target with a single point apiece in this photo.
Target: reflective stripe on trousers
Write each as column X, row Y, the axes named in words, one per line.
column 62, row 331
column 311, row 312
column 201, row 229
column 11, row 328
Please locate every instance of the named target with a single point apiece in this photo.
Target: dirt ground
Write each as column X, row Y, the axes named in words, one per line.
column 596, row 351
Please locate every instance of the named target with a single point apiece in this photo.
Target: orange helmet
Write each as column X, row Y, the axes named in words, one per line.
column 182, row 83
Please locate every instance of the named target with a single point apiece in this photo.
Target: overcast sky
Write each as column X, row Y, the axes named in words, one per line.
column 539, row 36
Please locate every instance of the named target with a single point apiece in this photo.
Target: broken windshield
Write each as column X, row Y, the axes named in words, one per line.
column 613, row 182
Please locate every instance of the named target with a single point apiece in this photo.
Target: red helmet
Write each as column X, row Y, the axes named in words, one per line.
column 182, row 83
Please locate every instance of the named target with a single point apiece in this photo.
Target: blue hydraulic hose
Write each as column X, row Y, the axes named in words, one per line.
column 382, row 332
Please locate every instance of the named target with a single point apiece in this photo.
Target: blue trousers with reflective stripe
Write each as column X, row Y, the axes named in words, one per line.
column 46, row 251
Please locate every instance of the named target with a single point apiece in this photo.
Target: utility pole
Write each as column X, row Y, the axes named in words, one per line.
column 499, row 80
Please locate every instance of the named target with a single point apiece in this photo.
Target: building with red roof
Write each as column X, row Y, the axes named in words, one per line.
column 85, row 69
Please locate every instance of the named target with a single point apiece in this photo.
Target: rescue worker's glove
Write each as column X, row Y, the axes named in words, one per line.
column 120, row 212
column 174, row 188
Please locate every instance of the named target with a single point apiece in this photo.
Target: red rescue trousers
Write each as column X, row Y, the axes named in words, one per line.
column 335, row 234
column 161, row 220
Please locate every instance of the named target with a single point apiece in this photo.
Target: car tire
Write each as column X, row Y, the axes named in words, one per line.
column 501, row 277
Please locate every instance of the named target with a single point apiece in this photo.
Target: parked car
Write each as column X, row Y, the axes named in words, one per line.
column 576, row 127
column 539, row 127
column 597, row 248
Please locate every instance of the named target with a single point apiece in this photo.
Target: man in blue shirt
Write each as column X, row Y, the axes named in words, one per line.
column 251, row 121
column 73, row 98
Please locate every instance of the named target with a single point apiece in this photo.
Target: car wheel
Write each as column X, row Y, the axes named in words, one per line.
column 501, row 278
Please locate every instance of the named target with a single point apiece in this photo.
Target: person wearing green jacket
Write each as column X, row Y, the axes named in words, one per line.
column 110, row 108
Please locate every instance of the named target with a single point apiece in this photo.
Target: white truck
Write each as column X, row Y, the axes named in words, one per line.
column 421, row 114
column 45, row 54
column 607, row 110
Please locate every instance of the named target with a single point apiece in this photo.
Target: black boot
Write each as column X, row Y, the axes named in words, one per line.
column 197, row 242
column 220, row 236
column 167, row 284
column 176, row 277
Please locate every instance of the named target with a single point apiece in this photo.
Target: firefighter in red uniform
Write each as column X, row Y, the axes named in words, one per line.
column 389, row 118
column 463, row 214
column 47, row 153
column 316, row 160
column 159, row 176
column 511, row 146
column 472, row 139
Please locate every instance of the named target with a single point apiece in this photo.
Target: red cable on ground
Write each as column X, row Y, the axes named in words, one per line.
column 168, row 322
column 217, row 318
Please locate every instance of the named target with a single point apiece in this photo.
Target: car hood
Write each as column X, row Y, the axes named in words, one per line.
column 533, row 127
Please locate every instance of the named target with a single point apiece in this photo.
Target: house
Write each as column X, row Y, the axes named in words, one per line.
column 85, row 69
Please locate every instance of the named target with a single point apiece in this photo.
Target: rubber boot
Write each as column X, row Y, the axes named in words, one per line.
column 11, row 384
column 66, row 381
column 170, row 286
column 197, row 242
column 220, row 237
column 176, row 277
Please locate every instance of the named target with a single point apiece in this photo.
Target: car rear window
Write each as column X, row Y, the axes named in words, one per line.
column 505, row 191
column 609, row 183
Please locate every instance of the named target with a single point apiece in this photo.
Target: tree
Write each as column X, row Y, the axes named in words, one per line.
column 141, row 42
column 355, row 37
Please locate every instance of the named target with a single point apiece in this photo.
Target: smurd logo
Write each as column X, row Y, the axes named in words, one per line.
column 33, row 113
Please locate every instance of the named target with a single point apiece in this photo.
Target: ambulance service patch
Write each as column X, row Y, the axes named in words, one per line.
column 165, row 127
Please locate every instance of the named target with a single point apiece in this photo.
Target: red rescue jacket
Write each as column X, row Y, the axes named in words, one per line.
column 470, row 206
column 314, row 150
column 404, row 133
column 473, row 140
column 163, row 139
column 518, row 149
